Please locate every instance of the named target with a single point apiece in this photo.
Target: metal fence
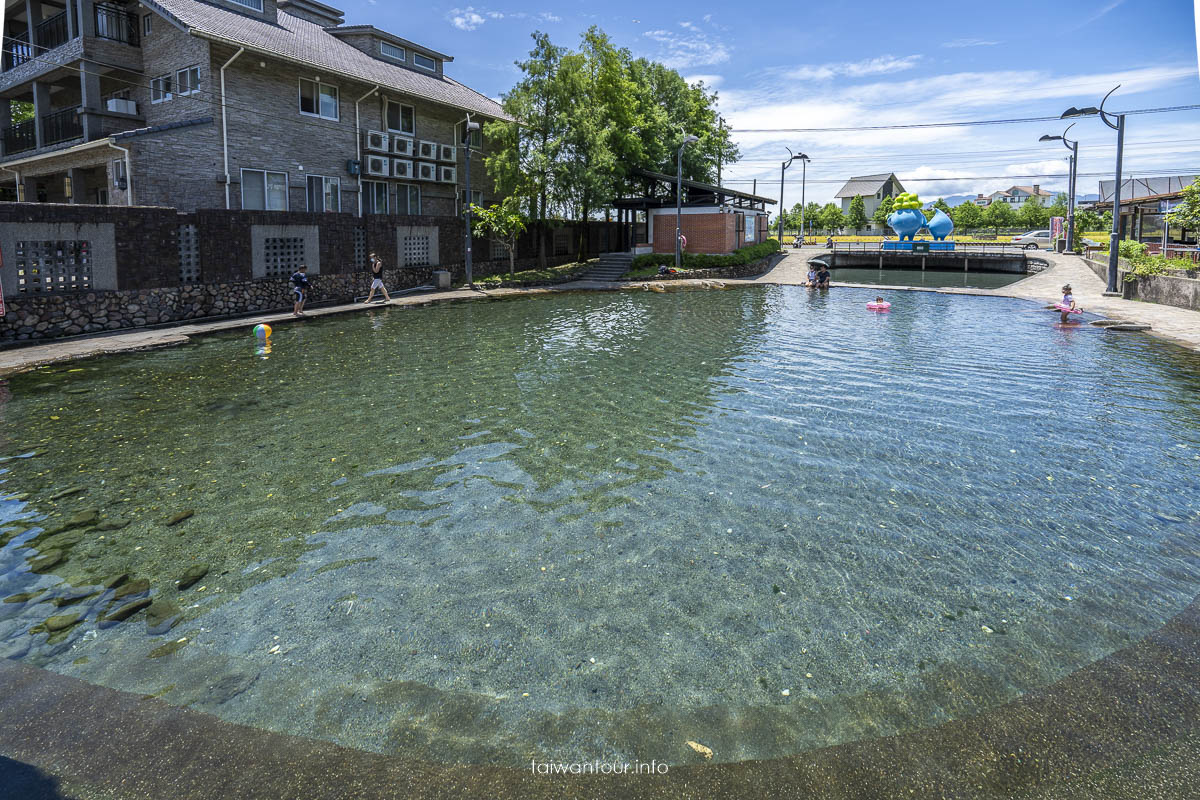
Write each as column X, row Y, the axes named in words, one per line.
column 117, row 24
column 971, row 248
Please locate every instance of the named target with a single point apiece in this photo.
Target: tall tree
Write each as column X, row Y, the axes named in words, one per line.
column 1033, row 214
column 999, row 215
column 1187, row 213
column 812, row 215
column 858, row 214
column 525, row 155
column 1059, row 207
column 886, row 207
column 967, row 216
column 832, row 218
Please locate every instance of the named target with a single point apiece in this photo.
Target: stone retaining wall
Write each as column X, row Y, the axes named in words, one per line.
column 741, row 271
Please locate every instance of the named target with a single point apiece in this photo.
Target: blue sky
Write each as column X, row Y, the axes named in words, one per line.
column 785, row 65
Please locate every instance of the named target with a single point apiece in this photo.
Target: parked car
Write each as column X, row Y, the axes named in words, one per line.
column 1033, row 240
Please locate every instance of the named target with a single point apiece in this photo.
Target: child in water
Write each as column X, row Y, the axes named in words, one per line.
column 1068, row 300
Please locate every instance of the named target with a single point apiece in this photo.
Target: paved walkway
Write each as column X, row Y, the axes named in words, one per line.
column 1176, row 324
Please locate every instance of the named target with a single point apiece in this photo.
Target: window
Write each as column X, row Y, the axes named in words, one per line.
column 375, row 197
column 476, row 200
column 424, row 62
column 392, row 51
column 147, row 24
column 408, row 199
column 160, row 89
column 460, row 133
column 257, row 5
column 400, row 118
column 118, row 173
column 318, row 99
column 324, row 194
column 264, row 191
column 187, row 81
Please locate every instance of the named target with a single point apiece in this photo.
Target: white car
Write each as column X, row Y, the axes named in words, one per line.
column 1033, row 240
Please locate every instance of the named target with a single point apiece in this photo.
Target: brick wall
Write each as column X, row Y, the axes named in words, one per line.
column 705, row 233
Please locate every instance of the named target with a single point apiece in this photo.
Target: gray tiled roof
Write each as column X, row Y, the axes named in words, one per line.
column 865, row 185
column 300, row 40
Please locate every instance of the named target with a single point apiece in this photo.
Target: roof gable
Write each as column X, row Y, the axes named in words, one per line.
column 867, row 184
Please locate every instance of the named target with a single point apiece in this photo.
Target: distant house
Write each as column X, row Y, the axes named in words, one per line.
column 1017, row 195
column 873, row 189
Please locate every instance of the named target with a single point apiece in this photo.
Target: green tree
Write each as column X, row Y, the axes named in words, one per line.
column 502, row 224
column 1033, row 214
column 999, row 215
column 812, row 215
column 525, row 155
column 21, row 111
column 942, row 206
column 831, row 218
column 858, row 214
column 1059, row 207
column 885, row 207
column 1087, row 220
column 1106, row 220
column 1187, row 213
column 967, row 216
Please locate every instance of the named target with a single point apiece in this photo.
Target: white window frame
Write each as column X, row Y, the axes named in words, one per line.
column 318, row 86
column 417, row 62
column 118, row 173
column 287, row 189
column 387, row 122
column 147, row 24
column 326, row 184
column 161, row 87
column 253, row 5
column 397, row 48
column 408, row 189
column 189, row 72
column 369, row 201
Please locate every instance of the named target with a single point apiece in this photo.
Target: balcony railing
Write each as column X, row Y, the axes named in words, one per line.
column 61, row 126
column 52, row 33
column 117, row 24
column 17, row 51
column 20, row 137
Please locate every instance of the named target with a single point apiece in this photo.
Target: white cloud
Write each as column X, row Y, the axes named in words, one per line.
column 465, row 19
column 709, row 81
column 693, row 48
column 1099, row 14
column 881, row 65
column 969, row 43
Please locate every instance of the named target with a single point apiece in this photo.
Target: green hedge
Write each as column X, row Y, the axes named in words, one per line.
column 746, row 255
column 1144, row 264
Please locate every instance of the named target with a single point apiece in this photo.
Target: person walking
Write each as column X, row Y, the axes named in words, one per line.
column 376, row 279
column 299, row 290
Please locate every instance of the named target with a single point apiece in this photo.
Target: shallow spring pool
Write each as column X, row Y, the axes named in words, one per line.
column 597, row 525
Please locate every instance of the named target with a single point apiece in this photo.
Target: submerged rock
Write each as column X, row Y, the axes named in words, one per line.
column 192, row 576
column 23, row 597
column 46, row 561
column 125, row 612
column 115, row 581
column 67, row 492
column 62, row 622
column 161, row 616
column 180, row 517
column 140, row 586
column 111, row 525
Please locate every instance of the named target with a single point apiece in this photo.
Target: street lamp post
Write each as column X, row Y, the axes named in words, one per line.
column 1114, row 242
column 471, row 127
column 679, row 199
column 803, row 186
column 1073, row 146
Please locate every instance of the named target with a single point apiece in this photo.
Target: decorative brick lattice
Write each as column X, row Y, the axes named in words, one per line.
column 63, row 266
column 360, row 248
column 284, row 255
column 416, row 251
column 499, row 251
column 189, row 255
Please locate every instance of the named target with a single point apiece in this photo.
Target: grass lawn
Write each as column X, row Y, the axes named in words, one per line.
column 561, row 273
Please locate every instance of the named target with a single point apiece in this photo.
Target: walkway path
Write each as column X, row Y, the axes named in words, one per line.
column 1176, row 324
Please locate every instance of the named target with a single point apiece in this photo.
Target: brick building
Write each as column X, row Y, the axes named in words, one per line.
column 713, row 219
column 272, row 105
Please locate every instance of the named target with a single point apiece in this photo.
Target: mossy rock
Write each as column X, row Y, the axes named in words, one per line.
column 130, row 588
column 192, row 576
column 162, row 615
column 46, row 561
column 175, row 519
column 62, row 622
column 124, row 612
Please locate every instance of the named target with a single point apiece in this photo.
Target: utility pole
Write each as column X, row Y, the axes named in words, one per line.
column 469, row 128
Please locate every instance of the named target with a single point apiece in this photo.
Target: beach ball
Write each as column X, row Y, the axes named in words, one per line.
column 262, row 331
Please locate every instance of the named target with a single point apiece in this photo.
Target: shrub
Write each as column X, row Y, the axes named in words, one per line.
column 744, row 256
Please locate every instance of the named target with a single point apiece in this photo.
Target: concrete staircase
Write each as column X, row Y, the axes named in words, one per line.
column 610, row 267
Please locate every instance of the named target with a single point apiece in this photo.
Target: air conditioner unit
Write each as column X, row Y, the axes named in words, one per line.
column 402, row 168
column 426, row 172
column 121, row 105
column 402, row 146
column 448, row 174
column 447, row 152
column 378, row 166
column 427, row 150
column 377, row 141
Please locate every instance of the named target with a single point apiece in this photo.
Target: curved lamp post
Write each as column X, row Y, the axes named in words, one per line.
column 470, row 128
column 1114, row 242
column 1073, row 146
column 782, row 168
column 689, row 139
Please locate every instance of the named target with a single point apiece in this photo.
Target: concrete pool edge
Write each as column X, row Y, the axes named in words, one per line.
column 1123, row 708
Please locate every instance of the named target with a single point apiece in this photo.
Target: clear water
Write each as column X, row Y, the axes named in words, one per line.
column 600, row 525
column 929, row 279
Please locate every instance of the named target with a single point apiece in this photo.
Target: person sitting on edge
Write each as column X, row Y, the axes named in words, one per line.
column 829, row 242
column 823, row 278
column 376, row 279
column 812, row 277
column 1068, row 300
column 300, row 290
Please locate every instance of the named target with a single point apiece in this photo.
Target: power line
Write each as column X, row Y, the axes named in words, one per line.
column 966, row 123
column 1168, row 172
